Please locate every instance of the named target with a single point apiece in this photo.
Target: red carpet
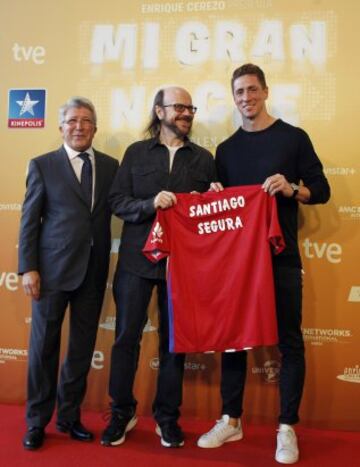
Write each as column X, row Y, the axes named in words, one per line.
column 142, row 447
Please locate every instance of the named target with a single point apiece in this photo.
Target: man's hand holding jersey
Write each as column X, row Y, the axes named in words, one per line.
column 164, row 200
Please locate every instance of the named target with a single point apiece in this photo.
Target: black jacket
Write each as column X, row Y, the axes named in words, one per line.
column 143, row 173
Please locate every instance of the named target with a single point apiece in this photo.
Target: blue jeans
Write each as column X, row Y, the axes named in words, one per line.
column 288, row 292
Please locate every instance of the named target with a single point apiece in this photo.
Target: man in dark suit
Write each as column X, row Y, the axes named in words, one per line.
column 64, row 252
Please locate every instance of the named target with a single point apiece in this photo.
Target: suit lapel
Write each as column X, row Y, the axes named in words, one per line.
column 66, row 172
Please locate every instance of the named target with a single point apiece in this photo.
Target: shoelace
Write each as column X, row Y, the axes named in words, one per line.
column 172, row 429
column 107, row 415
column 218, row 428
column 111, row 418
column 286, row 438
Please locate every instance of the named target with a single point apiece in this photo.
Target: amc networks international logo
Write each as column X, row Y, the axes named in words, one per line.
column 27, row 108
column 13, row 355
column 350, row 375
column 320, row 336
column 351, row 212
column 270, row 371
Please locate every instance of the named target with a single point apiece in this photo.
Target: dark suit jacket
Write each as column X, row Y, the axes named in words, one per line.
column 57, row 227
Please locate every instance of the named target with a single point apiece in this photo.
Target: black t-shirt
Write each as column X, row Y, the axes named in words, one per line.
column 248, row 158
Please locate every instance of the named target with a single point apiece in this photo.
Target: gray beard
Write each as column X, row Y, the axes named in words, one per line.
column 175, row 129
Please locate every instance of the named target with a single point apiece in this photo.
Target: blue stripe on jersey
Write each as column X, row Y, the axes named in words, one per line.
column 170, row 314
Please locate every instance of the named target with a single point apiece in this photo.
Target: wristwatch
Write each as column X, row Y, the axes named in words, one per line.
column 295, row 187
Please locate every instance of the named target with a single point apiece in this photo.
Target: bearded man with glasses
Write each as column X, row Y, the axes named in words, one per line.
column 150, row 175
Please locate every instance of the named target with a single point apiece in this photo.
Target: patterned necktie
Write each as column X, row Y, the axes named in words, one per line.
column 86, row 177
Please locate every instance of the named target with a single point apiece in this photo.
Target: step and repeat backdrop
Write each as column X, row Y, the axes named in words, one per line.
column 118, row 54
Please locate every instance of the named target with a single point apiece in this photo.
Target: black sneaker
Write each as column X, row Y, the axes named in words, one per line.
column 171, row 434
column 114, row 433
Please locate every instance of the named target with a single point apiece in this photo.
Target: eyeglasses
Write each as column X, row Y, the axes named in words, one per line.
column 72, row 122
column 180, row 108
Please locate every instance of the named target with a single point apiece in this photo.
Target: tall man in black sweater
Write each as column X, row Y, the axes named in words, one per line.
column 279, row 156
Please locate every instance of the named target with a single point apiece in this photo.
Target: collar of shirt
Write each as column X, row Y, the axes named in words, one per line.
column 72, row 153
column 153, row 142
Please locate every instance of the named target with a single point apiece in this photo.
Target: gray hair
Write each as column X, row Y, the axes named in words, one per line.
column 76, row 101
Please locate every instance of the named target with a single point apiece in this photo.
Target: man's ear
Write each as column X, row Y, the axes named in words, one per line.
column 159, row 112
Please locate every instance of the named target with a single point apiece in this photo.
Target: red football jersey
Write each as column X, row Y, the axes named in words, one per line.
column 220, row 279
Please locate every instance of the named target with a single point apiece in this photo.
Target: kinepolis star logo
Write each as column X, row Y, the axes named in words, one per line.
column 27, row 108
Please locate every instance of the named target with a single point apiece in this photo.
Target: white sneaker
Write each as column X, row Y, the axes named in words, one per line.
column 287, row 451
column 221, row 433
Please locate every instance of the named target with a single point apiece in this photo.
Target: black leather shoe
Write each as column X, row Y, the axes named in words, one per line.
column 34, row 438
column 76, row 430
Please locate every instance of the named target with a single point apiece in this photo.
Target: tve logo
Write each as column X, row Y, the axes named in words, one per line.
column 330, row 251
column 9, row 280
column 98, row 359
column 35, row 53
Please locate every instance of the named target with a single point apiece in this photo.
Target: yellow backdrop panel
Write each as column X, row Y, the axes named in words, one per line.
column 118, row 54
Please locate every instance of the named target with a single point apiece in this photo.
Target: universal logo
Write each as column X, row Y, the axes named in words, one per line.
column 320, row 336
column 350, row 375
column 270, row 371
column 18, row 355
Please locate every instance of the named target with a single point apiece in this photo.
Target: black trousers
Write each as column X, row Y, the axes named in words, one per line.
column 132, row 296
column 288, row 291
column 47, row 318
